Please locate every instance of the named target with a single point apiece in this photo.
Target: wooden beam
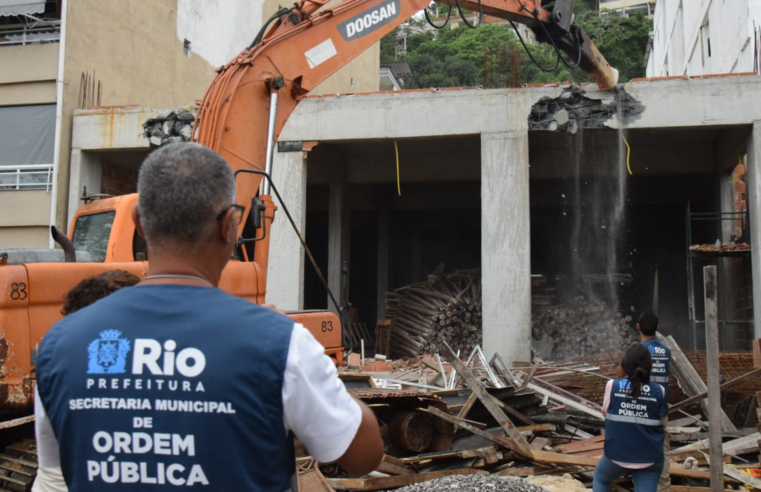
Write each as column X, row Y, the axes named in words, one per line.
column 520, row 446
column 505, row 443
column 693, row 399
column 527, row 379
column 566, row 401
column 712, row 376
column 689, row 380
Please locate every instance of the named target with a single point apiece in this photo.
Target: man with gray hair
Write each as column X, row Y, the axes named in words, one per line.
column 176, row 383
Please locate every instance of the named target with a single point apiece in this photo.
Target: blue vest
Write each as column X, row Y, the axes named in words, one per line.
column 661, row 356
column 633, row 429
column 157, row 387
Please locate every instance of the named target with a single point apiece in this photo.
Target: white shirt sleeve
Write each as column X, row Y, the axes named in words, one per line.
column 49, row 474
column 606, row 399
column 317, row 407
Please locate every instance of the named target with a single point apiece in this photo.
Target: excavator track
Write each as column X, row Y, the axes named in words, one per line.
column 18, row 466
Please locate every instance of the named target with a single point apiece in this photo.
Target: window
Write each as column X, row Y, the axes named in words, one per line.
column 91, row 233
column 27, row 135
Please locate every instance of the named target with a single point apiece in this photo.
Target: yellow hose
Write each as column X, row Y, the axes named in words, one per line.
column 398, row 179
column 628, row 154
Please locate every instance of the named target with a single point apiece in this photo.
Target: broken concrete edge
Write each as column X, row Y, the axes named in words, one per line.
column 577, row 108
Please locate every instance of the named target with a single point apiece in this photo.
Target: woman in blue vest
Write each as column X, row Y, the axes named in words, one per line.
column 633, row 430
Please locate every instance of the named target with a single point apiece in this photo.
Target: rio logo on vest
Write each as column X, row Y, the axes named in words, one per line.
column 108, row 355
column 625, row 385
column 657, row 350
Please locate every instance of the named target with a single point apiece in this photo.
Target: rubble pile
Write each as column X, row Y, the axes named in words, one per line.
column 170, row 127
column 446, row 308
column 450, row 422
column 474, row 483
column 582, row 327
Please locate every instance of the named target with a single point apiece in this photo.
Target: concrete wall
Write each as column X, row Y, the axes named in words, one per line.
column 28, row 74
column 24, row 218
column 27, row 77
column 138, row 60
column 685, row 28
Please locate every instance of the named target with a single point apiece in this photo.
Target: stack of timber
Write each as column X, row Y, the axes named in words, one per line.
column 446, row 308
column 581, row 327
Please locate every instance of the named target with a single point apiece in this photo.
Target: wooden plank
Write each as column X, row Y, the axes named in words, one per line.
column 710, row 288
column 391, row 468
column 757, row 352
column 732, row 472
column 382, row 483
column 527, row 379
column 684, row 422
column 539, row 443
column 579, row 445
column 689, row 380
column 686, row 488
column 735, row 447
column 551, row 458
column 466, row 408
column 538, row 428
column 566, row 401
column 505, row 443
column 515, row 413
column 693, row 399
column 520, row 445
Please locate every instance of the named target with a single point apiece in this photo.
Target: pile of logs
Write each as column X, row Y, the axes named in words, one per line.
column 582, row 327
column 446, row 308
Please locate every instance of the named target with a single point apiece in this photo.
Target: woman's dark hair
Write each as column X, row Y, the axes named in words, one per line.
column 95, row 288
column 636, row 365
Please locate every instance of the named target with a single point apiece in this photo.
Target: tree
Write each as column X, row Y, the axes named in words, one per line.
column 455, row 57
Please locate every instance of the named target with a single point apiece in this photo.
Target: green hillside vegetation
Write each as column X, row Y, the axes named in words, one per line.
column 455, row 57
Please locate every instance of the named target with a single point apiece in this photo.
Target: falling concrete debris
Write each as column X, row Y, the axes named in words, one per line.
column 170, row 127
column 576, row 108
column 581, row 327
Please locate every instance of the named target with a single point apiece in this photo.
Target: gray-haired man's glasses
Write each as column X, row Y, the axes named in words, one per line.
column 239, row 210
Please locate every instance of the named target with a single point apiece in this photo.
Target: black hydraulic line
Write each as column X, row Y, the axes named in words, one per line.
column 539, row 66
column 428, row 18
column 282, row 12
column 480, row 15
column 303, row 243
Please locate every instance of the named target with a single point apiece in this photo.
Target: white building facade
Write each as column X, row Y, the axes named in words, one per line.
column 703, row 37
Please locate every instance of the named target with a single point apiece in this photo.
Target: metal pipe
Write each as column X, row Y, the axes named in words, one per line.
column 69, row 253
column 270, row 142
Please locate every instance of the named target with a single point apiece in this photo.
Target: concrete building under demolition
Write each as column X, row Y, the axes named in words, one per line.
column 557, row 194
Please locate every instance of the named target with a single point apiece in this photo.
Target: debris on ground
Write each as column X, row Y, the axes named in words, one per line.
column 566, row 483
column 475, row 483
column 462, row 421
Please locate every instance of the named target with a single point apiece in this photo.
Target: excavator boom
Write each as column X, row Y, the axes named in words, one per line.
column 302, row 46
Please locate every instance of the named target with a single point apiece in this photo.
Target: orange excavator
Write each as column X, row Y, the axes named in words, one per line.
column 240, row 117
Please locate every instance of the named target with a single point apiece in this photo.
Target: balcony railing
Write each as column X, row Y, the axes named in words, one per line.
column 42, row 32
column 28, row 177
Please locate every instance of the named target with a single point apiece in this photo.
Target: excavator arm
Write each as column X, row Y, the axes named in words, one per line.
column 302, row 46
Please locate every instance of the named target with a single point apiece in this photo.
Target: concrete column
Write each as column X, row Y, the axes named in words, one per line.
column 86, row 172
column 753, row 177
column 338, row 238
column 285, row 272
column 383, row 247
column 505, row 245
